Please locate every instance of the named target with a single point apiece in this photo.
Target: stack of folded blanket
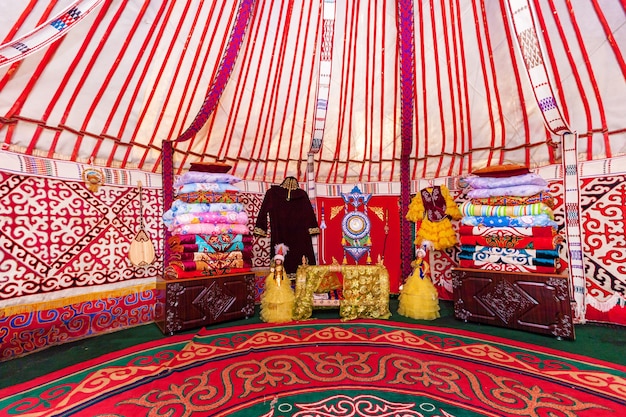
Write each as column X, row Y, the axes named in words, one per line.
column 208, row 225
column 508, row 224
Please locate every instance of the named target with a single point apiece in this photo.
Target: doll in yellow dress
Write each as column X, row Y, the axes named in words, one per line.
column 418, row 297
column 434, row 208
column 278, row 298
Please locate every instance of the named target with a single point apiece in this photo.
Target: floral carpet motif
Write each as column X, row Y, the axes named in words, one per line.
column 328, row 368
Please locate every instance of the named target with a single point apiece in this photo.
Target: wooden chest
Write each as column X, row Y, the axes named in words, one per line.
column 538, row 303
column 195, row 302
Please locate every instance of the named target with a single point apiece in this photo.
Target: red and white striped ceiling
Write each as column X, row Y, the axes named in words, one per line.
column 125, row 75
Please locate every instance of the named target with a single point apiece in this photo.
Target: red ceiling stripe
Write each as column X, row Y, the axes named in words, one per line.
column 369, row 88
column 253, row 160
column 592, row 77
column 163, row 104
column 518, row 83
column 450, row 84
column 308, row 115
column 442, row 123
column 242, row 85
column 15, row 28
column 418, row 139
column 189, row 91
column 486, row 81
column 208, row 136
column 342, row 98
column 454, row 91
column 15, row 66
column 276, row 92
column 300, row 155
column 309, row 110
column 496, row 90
column 459, row 136
column 129, row 77
column 156, row 46
column 61, row 87
column 157, row 80
column 609, row 35
column 86, row 73
column 351, row 68
column 575, row 73
column 266, row 109
column 114, row 66
column 468, row 143
column 555, row 70
column 396, row 99
column 382, row 140
column 44, row 118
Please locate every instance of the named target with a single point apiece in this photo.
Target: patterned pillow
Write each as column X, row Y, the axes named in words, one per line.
column 504, row 170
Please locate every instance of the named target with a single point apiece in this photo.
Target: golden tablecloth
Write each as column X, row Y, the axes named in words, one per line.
column 365, row 290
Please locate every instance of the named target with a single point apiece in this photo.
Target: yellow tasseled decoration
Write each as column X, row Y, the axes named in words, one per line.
column 441, row 234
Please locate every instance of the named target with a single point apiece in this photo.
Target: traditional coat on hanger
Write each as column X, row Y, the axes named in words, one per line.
column 292, row 221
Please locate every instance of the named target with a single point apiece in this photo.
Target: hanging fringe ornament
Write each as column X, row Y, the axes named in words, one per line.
column 141, row 251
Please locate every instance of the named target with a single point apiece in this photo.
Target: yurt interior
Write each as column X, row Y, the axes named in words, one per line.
column 186, row 186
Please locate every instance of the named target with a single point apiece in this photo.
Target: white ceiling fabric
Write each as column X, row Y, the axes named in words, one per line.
column 132, row 74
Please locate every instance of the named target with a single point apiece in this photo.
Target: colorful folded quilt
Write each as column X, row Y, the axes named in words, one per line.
column 180, row 207
column 220, row 264
column 510, row 237
column 510, row 242
column 228, row 197
column 509, row 200
column 501, row 221
column 207, row 257
column 516, row 191
column 537, row 231
column 176, row 272
column 207, row 217
column 506, row 259
column 469, row 209
column 475, row 181
column 211, row 229
column 514, row 253
column 245, row 254
column 466, row 263
column 215, row 187
column 196, row 176
column 226, row 242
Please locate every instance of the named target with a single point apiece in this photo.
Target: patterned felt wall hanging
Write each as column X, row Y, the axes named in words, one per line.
column 65, row 272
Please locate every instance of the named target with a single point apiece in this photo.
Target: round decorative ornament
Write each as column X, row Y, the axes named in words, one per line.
column 93, row 178
column 356, row 225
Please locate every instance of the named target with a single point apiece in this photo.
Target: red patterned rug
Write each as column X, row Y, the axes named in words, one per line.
column 328, row 368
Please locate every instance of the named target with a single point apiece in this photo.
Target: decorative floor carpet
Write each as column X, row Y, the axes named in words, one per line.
column 326, row 368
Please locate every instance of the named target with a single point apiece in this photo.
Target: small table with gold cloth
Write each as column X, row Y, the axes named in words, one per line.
column 365, row 290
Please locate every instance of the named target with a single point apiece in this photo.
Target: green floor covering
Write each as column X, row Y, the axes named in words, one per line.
column 593, row 340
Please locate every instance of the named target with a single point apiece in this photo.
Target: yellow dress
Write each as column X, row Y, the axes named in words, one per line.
column 419, row 298
column 434, row 207
column 278, row 298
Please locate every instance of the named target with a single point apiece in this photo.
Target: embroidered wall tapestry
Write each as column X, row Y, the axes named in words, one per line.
column 65, row 272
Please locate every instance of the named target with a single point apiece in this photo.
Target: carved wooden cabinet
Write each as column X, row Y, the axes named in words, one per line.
column 188, row 303
column 538, row 303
